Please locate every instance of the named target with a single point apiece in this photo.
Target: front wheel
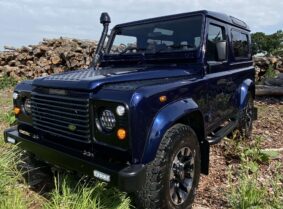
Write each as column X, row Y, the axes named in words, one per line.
column 172, row 178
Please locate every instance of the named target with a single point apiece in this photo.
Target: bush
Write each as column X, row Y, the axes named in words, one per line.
column 7, row 81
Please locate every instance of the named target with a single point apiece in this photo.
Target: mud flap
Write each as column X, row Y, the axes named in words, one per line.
column 204, row 149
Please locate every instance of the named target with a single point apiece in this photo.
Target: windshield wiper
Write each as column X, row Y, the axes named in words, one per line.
column 131, row 48
column 175, row 46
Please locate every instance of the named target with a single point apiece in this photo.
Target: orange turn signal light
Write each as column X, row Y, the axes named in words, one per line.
column 163, row 98
column 121, row 134
column 17, row 110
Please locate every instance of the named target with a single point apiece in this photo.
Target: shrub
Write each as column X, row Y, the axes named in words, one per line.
column 7, row 81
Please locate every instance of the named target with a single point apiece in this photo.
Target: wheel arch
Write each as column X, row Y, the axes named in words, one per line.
column 246, row 87
column 186, row 112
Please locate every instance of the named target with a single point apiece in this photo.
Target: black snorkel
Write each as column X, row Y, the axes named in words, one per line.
column 104, row 20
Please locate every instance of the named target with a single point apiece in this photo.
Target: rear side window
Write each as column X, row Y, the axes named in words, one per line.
column 240, row 43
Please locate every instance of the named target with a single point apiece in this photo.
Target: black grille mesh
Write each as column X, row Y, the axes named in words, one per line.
column 107, row 120
column 61, row 116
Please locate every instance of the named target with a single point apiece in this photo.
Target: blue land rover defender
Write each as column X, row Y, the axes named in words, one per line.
column 142, row 117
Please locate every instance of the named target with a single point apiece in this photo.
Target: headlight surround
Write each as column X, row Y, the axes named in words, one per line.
column 27, row 106
column 107, row 120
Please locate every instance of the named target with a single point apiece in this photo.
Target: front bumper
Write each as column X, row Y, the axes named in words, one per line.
column 128, row 179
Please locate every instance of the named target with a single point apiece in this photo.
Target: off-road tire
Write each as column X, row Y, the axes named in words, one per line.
column 156, row 190
column 246, row 119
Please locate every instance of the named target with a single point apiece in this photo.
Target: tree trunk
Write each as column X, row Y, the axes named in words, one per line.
column 263, row 90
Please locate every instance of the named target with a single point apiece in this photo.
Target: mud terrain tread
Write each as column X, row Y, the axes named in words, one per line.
column 149, row 196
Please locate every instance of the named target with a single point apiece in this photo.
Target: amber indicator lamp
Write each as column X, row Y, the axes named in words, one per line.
column 163, row 98
column 121, row 134
column 17, row 110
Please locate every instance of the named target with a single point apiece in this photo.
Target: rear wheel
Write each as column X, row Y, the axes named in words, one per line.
column 246, row 118
column 173, row 176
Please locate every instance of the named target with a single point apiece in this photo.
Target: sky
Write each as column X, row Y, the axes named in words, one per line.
column 25, row 22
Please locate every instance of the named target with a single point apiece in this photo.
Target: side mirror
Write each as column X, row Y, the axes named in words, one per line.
column 221, row 47
column 105, row 18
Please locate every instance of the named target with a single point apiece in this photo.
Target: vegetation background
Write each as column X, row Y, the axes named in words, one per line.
column 271, row 44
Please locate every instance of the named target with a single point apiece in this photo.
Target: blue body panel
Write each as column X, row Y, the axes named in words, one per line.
column 96, row 78
column 164, row 119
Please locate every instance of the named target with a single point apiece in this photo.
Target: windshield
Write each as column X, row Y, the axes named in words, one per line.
column 167, row 36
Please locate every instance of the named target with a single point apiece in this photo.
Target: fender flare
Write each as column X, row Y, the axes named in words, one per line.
column 246, row 87
column 164, row 119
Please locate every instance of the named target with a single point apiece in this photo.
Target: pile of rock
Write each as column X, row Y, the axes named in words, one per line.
column 264, row 64
column 48, row 57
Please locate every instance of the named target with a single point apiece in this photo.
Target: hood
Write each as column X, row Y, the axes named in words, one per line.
column 89, row 79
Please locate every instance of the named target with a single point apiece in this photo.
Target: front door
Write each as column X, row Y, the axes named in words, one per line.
column 219, row 81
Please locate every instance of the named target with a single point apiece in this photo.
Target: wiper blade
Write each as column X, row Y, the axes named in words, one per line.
column 131, row 48
column 174, row 46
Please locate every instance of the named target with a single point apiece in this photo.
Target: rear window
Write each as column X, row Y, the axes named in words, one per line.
column 240, row 43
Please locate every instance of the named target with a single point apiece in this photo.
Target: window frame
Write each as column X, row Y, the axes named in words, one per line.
column 248, row 57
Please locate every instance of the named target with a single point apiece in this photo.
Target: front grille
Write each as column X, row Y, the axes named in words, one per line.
column 61, row 116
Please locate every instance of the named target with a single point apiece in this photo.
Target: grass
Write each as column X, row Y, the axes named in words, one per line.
column 9, row 117
column 84, row 195
column 7, row 82
column 248, row 186
column 68, row 193
column 12, row 193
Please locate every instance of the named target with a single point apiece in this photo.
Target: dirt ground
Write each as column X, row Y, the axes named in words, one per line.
column 269, row 125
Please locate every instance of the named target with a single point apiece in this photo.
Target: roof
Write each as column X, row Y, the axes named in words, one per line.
column 216, row 15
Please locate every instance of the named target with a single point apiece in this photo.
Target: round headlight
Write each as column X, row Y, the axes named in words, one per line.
column 120, row 110
column 27, row 106
column 107, row 120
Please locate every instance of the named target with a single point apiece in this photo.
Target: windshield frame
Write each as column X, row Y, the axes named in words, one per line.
column 117, row 28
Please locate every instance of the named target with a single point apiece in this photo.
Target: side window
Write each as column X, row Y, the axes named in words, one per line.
column 240, row 43
column 215, row 34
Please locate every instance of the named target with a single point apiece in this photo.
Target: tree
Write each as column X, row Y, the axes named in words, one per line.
column 269, row 43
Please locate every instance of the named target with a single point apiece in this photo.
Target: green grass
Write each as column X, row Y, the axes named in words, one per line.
column 68, row 193
column 85, row 195
column 11, row 193
column 249, row 189
column 7, row 82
